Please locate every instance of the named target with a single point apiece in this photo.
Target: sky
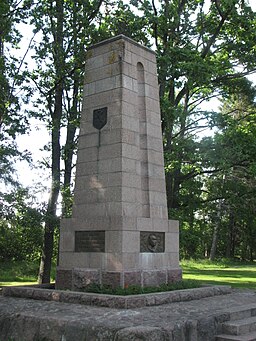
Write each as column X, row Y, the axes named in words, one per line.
column 37, row 137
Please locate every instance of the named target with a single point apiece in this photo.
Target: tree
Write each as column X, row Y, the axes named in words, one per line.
column 235, row 147
column 66, row 28
column 21, row 231
column 12, row 77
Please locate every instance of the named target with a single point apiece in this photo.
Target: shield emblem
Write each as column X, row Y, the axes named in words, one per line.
column 100, row 117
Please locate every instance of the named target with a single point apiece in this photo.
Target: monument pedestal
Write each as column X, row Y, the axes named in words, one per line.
column 119, row 233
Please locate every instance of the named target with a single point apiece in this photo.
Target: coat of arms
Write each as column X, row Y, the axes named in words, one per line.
column 100, row 117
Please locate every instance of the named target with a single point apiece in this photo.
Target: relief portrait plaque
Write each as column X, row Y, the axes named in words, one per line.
column 89, row 241
column 153, row 242
column 100, row 117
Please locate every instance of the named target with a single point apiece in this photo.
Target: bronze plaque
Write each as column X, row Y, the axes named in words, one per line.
column 100, row 117
column 153, row 242
column 89, row 241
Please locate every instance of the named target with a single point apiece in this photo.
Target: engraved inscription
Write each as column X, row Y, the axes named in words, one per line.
column 89, row 241
column 153, row 242
column 100, row 117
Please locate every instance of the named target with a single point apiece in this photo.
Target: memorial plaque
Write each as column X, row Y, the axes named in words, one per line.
column 100, row 117
column 153, row 242
column 89, row 241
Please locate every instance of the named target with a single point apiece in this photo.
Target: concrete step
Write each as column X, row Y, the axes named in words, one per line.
column 247, row 337
column 239, row 327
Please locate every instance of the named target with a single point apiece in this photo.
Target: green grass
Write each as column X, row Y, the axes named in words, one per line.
column 223, row 272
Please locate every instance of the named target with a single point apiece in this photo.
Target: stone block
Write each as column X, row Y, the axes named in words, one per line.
column 110, row 165
column 151, row 91
column 157, row 185
column 172, row 242
column 144, row 224
column 154, row 278
column 102, row 72
column 94, row 62
column 130, row 165
column 130, row 123
column 107, row 84
column 63, row 279
column 114, row 208
column 174, row 226
column 88, row 154
column 87, row 168
column 129, row 223
column 67, row 240
column 158, row 198
column 174, row 275
column 129, row 209
column 110, row 137
column 90, row 210
column 129, row 194
column 105, row 99
column 110, row 151
column 130, row 260
column 112, row 279
column 82, row 278
column 172, row 259
column 113, row 261
column 155, row 157
column 130, row 137
column 88, row 140
column 130, row 241
column 90, row 88
column 87, row 196
column 132, row 278
column 114, row 241
column 160, row 224
column 157, row 211
column 115, row 122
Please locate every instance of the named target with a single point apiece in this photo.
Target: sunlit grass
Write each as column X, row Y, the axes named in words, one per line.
column 236, row 274
column 17, row 283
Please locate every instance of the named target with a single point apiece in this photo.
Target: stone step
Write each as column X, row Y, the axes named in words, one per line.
column 247, row 337
column 239, row 327
column 244, row 312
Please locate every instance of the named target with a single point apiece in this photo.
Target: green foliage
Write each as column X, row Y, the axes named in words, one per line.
column 21, row 231
column 135, row 289
column 20, row 272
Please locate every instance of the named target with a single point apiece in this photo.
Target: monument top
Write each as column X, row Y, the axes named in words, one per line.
column 120, row 37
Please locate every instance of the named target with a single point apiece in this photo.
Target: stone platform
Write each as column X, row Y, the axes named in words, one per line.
column 196, row 320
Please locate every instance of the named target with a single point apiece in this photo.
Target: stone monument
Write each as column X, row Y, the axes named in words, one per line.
column 119, row 233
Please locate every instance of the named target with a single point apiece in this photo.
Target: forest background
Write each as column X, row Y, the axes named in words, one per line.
column 205, row 50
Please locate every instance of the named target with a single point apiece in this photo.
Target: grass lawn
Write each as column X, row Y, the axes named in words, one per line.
column 236, row 274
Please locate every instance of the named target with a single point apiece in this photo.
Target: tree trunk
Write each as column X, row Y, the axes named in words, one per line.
column 51, row 219
column 71, row 126
column 215, row 233
column 230, row 236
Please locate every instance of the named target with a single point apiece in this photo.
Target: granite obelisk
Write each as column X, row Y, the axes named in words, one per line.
column 119, row 233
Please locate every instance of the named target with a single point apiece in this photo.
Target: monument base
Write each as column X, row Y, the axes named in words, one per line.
column 78, row 279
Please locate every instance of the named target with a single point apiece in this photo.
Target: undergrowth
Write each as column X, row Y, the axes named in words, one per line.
column 136, row 289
